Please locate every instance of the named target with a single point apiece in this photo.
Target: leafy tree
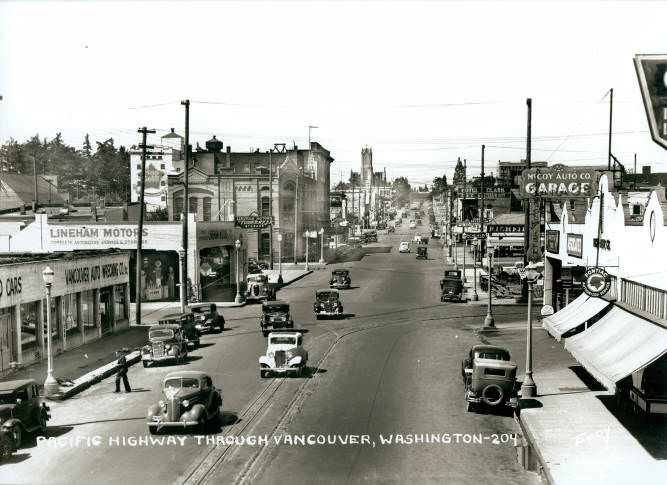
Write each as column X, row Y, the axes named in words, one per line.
column 401, row 191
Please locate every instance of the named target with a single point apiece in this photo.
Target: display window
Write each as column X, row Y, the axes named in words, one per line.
column 119, row 302
column 214, row 272
column 29, row 323
column 159, row 276
column 88, row 313
column 55, row 323
column 71, row 316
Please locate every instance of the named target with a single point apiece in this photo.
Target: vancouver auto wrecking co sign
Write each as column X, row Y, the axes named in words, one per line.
column 559, row 182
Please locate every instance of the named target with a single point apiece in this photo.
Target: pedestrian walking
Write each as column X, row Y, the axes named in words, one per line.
column 122, row 370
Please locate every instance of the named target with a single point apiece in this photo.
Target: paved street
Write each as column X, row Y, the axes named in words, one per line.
column 389, row 370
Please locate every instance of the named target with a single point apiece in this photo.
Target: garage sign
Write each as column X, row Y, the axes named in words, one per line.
column 559, row 182
column 596, row 282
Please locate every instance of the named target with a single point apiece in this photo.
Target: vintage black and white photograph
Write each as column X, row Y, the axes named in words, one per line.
column 333, row 242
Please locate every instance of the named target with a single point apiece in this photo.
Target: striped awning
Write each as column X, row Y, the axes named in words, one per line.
column 580, row 310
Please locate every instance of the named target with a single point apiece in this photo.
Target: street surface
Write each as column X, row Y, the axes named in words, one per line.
column 391, row 369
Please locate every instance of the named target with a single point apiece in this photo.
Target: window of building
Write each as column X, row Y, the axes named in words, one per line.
column 138, row 166
column 29, row 325
column 162, row 165
column 265, row 246
column 636, row 210
column 207, row 208
column 163, row 198
column 265, row 206
column 119, row 302
column 162, row 183
column 88, row 314
column 193, row 205
column 245, row 168
column 71, row 317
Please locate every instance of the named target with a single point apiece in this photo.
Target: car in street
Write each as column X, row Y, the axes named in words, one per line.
column 257, row 288
column 404, row 247
column 370, row 236
column 391, row 229
column 413, row 224
column 284, row 354
column 417, row 238
column 327, row 303
column 489, row 377
column 340, row 278
column 21, row 411
column 207, row 318
column 191, row 401
column 187, row 323
column 275, row 315
column 165, row 342
column 451, row 289
column 422, row 252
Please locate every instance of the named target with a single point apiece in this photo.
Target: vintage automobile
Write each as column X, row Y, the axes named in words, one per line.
column 258, row 286
column 391, row 229
column 191, row 401
column 451, row 289
column 284, row 354
column 207, row 318
column 187, row 323
column 417, row 238
column 327, row 303
column 340, row 278
column 422, row 252
column 21, row 411
column 275, row 315
column 489, row 377
column 404, row 247
column 166, row 341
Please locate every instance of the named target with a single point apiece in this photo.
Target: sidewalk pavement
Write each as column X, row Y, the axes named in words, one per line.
column 578, row 432
column 79, row 368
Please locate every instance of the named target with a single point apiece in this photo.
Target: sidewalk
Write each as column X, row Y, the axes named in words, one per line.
column 79, row 368
column 577, row 431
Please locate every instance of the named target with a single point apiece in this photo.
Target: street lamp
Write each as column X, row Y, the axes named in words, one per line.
column 528, row 387
column 181, row 279
column 280, row 254
column 489, row 322
column 321, row 245
column 475, row 296
column 51, row 386
column 237, row 300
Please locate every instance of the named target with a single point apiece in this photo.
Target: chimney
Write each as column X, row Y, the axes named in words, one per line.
column 228, row 162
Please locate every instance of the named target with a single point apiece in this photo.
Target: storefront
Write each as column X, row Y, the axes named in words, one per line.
column 89, row 298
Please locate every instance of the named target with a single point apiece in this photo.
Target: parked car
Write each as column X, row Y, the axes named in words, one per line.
column 391, row 229
column 284, row 354
column 422, row 252
column 413, row 224
column 165, row 341
column 451, row 289
column 340, row 278
column 371, row 236
column 275, row 315
column 191, row 401
column 404, row 247
column 489, row 377
column 257, row 288
column 187, row 323
column 21, row 411
column 417, row 238
column 207, row 318
column 327, row 303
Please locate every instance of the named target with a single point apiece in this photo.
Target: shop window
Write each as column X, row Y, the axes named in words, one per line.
column 29, row 322
column 119, row 302
column 55, row 323
column 265, row 246
column 193, row 206
column 265, row 206
column 207, row 208
column 215, row 273
column 88, row 314
column 71, row 317
column 637, row 210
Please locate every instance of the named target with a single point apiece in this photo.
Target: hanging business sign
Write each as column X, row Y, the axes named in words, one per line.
column 596, row 282
column 559, row 182
column 474, row 235
column 553, row 240
column 505, row 228
column 652, row 75
column 575, row 244
column 253, row 222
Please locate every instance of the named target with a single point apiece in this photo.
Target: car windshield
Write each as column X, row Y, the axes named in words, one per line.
column 276, row 308
column 327, row 295
column 7, row 398
column 181, row 383
column 494, row 355
column 283, row 340
column 161, row 333
column 198, row 310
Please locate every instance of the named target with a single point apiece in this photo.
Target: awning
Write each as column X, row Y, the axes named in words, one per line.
column 619, row 344
column 578, row 311
column 505, row 241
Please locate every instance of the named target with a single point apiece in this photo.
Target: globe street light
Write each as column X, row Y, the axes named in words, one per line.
column 237, row 300
column 528, row 387
column 51, row 386
column 321, row 245
column 181, row 279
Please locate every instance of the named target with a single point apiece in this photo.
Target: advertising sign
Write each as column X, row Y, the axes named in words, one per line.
column 559, row 182
column 652, row 75
column 597, row 282
column 253, row 222
column 575, row 243
column 505, row 228
column 553, row 241
column 474, row 235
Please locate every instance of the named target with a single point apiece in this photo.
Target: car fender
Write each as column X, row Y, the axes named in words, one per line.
column 153, row 410
column 197, row 411
column 263, row 359
column 296, row 360
column 10, row 423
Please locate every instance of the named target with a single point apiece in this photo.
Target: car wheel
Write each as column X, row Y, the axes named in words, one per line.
column 201, row 424
column 145, row 362
column 41, row 431
column 493, row 395
column 262, row 374
column 16, row 431
column 153, row 429
column 5, row 447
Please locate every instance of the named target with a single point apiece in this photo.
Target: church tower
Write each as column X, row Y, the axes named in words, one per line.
column 367, row 167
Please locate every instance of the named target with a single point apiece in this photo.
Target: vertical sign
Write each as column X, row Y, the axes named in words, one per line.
column 652, row 75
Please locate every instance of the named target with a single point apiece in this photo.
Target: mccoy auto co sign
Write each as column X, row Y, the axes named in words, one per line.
column 559, row 182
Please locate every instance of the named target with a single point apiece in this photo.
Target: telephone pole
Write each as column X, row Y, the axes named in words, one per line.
column 140, row 234
column 271, row 209
column 527, row 202
column 611, row 105
column 186, row 202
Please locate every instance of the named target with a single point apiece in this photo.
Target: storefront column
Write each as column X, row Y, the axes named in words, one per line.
column 96, row 312
column 39, row 331
column 16, row 311
column 548, row 282
column 126, row 302
column 79, row 316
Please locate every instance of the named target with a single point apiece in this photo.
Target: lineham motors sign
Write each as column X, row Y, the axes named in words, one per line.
column 559, row 182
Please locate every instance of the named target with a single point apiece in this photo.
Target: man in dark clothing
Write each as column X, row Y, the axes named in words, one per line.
column 122, row 371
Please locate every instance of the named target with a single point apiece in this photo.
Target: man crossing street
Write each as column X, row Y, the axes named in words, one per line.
column 122, row 371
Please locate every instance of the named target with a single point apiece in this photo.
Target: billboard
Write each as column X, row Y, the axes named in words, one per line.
column 575, row 243
column 559, row 182
column 652, row 75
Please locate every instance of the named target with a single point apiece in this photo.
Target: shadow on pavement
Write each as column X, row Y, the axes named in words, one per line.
column 192, row 358
column 204, row 345
column 227, row 419
column 649, row 430
column 528, row 403
column 586, row 378
column 310, row 372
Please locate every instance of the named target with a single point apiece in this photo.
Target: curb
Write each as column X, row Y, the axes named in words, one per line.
column 542, row 468
column 297, row 278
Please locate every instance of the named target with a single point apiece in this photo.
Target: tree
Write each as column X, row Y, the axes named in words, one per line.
column 355, row 179
column 400, row 191
column 341, row 186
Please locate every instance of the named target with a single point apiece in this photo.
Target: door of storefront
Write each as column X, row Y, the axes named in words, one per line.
column 105, row 310
column 5, row 341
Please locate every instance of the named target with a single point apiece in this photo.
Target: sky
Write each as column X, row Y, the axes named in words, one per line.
column 422, row 84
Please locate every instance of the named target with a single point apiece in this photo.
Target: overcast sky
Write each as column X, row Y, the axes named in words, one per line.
column 422, row 84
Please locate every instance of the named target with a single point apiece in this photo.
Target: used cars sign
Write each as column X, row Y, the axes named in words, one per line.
column 559, row 182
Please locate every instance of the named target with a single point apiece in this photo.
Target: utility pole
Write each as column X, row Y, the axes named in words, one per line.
column 186, row 202
column 527, row 202
column 634, row 175
column 296, row 206
column 140, row 234
column 611, row 105
column 271, row 209
column 34, row 171
column 465, row 196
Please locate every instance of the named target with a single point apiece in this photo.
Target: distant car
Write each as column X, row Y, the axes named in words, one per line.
column 391, row 229
column 417, row 238
column 165, row 342
column 340, row 278
column 451, row 289
column 275, row 315
column 327, row 303
column 258, row 287
column 422, row 252
column 284, row 354
column 191, row 401
column 489, row 377
column 413, row 224
column 187, row 323
column 404, row 247
column 21, row 411
column 207, row 318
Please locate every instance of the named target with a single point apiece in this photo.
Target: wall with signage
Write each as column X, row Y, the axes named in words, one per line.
column 559, row 182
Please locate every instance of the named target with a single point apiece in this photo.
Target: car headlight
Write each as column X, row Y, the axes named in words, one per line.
column 167, row 347
column 185, row 403
column 162, row 404
column 270, row 355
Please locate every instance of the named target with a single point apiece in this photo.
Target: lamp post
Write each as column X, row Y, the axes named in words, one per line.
column 237, row 300
column 51, row 386
column 181, row 279
column 489, row 322
column 528, row 387
column 280, row 254
column 475, row 296
column 321, row 245
column 307, row 247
